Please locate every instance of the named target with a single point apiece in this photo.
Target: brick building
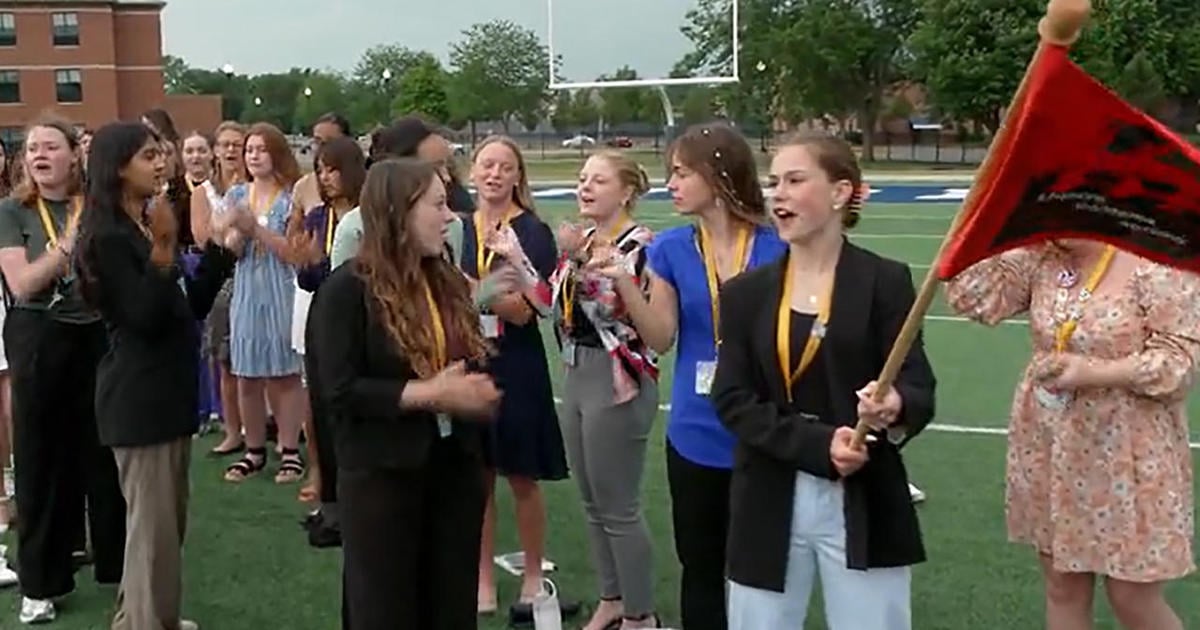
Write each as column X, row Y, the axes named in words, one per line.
column 91, row 61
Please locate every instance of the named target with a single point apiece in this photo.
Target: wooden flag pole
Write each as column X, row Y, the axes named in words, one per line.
column 1061, row 26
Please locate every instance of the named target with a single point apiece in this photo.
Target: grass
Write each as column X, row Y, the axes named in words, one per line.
column 247, row 565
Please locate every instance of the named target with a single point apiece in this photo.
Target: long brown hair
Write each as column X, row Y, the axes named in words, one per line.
column 283, row 160
column 26, row 189
column 723, row 158
column 521, row 194
column 394, row 270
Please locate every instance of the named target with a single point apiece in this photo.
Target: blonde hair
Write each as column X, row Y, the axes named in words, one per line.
column 629, row 171
column 521, row 194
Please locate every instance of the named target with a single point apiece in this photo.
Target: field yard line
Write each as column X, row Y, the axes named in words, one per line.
column 936, row 426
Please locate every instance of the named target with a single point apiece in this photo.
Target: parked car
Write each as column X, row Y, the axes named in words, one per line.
column 578, row 142
column 620, row 142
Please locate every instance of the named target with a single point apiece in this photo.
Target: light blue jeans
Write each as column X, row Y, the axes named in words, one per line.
column 878, row 599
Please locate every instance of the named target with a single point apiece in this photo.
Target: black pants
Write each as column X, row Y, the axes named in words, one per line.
column 58, row 456
column 700, row 516
column 410, row 543
column 322, row 433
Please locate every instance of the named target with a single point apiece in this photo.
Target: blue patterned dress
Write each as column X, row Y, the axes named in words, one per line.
column 260, row 313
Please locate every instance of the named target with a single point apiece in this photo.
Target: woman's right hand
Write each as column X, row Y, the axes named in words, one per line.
column 463, row 394
column 570, row 238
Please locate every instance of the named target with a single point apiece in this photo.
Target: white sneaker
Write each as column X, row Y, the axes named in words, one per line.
column 915, row 494
column 187, row 624
column 37, row 611
column 8, row 577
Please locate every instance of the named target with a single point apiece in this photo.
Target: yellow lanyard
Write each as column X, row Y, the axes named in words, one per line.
column 484, row 264
column 329, row 231
column 270, row 204
column 191, row 186
column 48, row 221
column 439, row 331
column 783, row 337
column 1067, row 328
column 710, row 272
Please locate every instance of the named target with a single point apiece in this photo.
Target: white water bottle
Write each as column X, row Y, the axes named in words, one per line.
column 546, row 613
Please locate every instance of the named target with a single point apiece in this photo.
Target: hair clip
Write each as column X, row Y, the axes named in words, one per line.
column 706, row 131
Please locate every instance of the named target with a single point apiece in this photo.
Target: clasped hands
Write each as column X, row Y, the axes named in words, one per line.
column 464, row 394
column 848, row 458
column 600, row 258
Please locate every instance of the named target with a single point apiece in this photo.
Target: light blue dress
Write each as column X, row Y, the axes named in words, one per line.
column 260, row 313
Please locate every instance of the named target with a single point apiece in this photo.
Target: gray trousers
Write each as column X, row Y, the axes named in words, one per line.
column 606, row 448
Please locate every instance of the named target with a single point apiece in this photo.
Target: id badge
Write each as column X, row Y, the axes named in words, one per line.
column 490, row 325
column 444, row 426
column 705, row 371
column 568, row 352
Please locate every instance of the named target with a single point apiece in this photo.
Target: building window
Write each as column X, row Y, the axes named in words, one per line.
column 66, row 29
column 13, row 137
column 69, row 86
column 10, row 86
column 8, row 29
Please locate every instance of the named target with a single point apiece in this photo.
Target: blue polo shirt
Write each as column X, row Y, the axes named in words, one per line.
column 693, row 428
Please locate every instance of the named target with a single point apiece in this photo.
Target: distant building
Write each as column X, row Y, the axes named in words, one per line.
column 91, row 61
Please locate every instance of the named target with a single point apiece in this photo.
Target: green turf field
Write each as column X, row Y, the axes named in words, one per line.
column 248, row 567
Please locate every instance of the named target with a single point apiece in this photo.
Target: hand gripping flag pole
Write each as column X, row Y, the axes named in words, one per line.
column 1060, row 27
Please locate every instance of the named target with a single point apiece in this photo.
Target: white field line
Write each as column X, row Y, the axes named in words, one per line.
column 923, row 236
column 936, row 426
column 906, row 217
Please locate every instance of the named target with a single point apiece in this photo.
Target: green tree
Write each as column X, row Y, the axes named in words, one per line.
column 625, row 104
column 500, row 71
column 585, row 110
column 1140, row 83
column 322, row 92
column 375, row 83
column 175, row 75
column 971, row 55
column 563, row 113
column 422, row 90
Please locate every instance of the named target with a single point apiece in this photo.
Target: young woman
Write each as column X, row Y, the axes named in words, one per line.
column 54, row 343
column 262, row 357
column 394, row 329
column 1099, row 479
column 230, row 170
column 131, row 271
column 801, row 340
column 526, row 440
column 611, row 392
column 198, row 167
column 715, row 180
column 199, row 162
column 7, row 576
column 340, row 174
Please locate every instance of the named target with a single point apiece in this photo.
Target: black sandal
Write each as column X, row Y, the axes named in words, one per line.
column 291, row 467
column 250, row 464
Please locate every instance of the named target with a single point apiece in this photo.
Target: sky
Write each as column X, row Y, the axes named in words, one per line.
column 257, row 36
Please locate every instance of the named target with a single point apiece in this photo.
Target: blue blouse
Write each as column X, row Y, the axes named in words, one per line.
column 694, row 430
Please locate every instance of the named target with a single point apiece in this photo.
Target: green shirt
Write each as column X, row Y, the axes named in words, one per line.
column 21, row 226
column 347, row 238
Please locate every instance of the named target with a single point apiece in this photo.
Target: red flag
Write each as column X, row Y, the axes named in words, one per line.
column 1080, row 162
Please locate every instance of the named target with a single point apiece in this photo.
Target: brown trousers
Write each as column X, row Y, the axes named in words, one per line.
column 154, row 480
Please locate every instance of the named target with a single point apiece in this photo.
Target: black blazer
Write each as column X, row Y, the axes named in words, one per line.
column 871, row 299
column 147, row 385
column 360, row 376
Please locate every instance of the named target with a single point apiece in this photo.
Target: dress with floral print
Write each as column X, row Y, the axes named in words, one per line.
column 1103, row 485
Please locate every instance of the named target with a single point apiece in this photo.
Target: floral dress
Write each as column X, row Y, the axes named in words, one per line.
column 1104, row 483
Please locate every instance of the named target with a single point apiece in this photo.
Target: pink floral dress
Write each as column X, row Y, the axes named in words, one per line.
column 1104, row 483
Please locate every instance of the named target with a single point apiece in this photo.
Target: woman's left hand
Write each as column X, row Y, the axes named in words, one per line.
column 504, row 241
column 879, row 415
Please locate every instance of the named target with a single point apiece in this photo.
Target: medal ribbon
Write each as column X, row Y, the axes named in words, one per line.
column 783, row 344
column 710, row 271
column 48, row 221
column 1067, row 328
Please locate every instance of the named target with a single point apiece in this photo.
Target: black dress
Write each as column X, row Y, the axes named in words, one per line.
column 525, row 440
